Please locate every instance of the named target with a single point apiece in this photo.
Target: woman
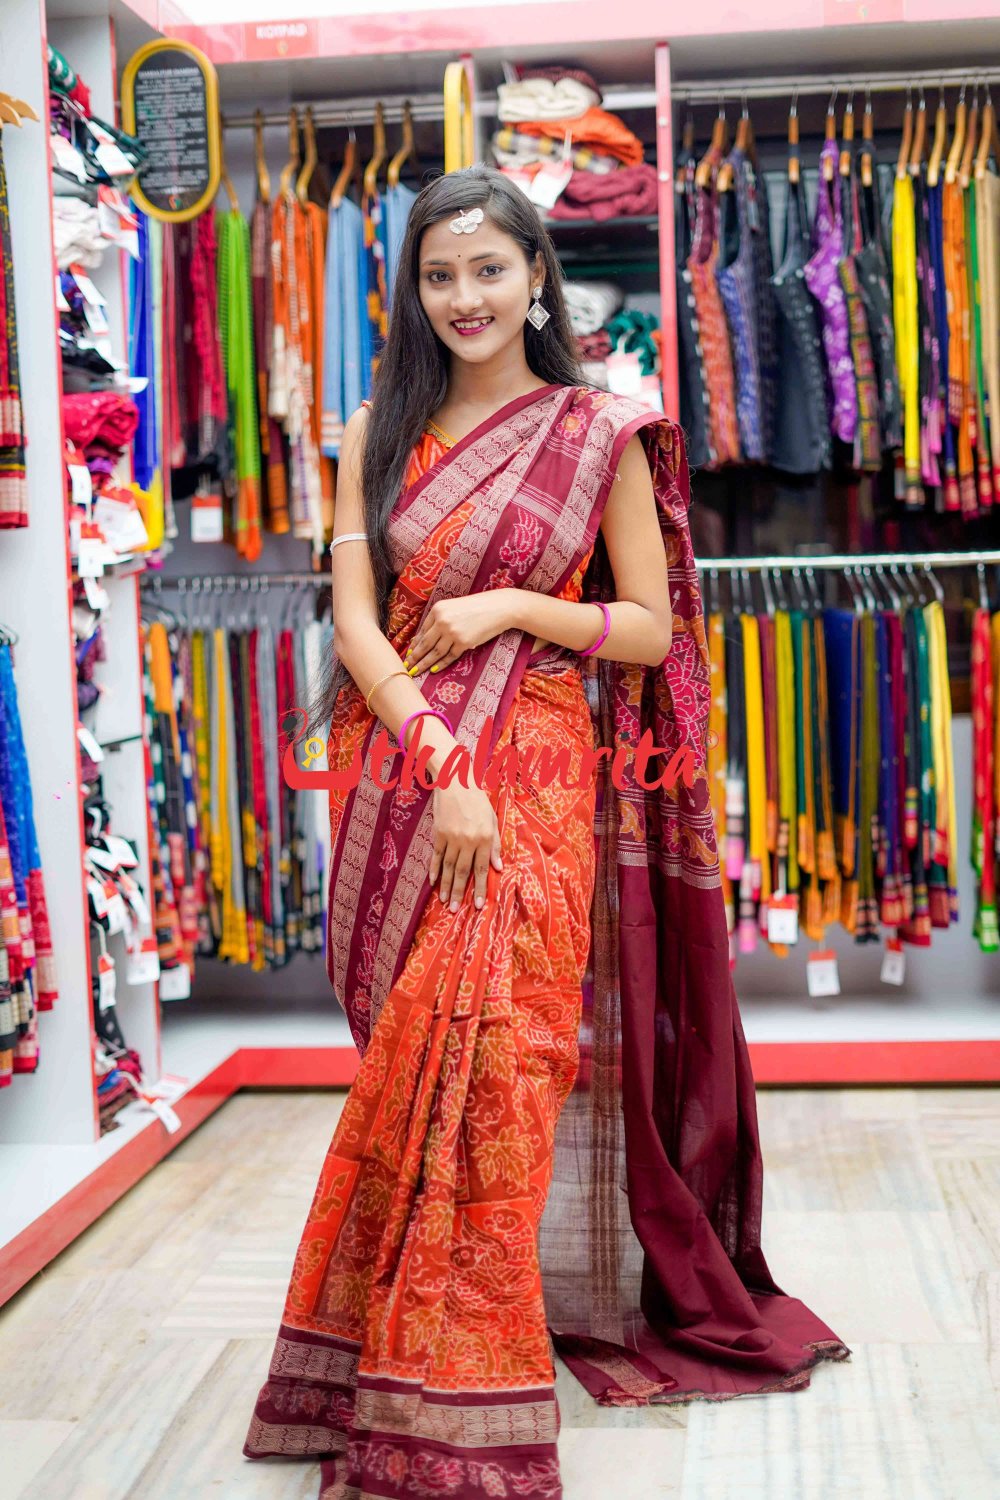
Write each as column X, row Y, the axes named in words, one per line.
column 529, row 953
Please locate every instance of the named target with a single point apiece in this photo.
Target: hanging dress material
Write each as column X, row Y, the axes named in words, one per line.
column 984, row 814
column 695, row 408
column 802, row 424
column 988, row 249
column 867, row 455
column 724, row 433
column 935, row 224
column 274, row 478
column 960, row 411
column 396, row 203
column 236, row 332
column 876, row 294
column 342, row 350
column 735, row 272
column 13, row 483
column 984, row 480
column 374, row 288
column 929, row 349
column 822, row 272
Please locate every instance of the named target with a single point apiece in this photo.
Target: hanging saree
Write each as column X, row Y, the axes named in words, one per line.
column 413, row 1354
column 13, row 484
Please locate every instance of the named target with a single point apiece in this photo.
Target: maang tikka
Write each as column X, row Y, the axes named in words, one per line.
column 537, row 315
column 467, row 223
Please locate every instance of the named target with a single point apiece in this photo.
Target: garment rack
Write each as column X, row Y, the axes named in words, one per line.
column 828, row 561
column 230, row 583
column 712, row 90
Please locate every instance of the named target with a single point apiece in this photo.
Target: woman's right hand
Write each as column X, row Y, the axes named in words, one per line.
column 466, row 841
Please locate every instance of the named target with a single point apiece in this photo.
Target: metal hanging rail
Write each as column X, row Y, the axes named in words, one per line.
column 360, row 109
column 827, row 562
column 229, row 583
column 709, row 90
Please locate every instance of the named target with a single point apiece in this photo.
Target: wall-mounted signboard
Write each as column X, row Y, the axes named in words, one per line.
column 170, row 101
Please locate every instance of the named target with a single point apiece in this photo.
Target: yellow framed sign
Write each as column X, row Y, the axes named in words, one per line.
column 170, row 103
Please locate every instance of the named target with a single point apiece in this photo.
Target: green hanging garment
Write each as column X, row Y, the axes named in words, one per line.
column 236, row 332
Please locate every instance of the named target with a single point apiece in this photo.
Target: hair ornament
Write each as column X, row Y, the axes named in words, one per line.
column 467, row 223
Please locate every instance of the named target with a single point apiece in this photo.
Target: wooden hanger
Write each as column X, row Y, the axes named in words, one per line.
column 971, row 136
column 716, row 148
column 290, row 168
column 957, row 140
column 831, row 133
column 940, row 137
column 919, row 136
column 406, row 152
column 846, row 155
column 903, row 159
column 793, row 138
column 311, row 158
column 346, row 171
column 24, row 110
column 9, row 115
column 373, row 167
column 868, row 139
column 260, row 162
column 987, row 138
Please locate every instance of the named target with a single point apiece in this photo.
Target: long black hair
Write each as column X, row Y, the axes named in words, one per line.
column 411, row 380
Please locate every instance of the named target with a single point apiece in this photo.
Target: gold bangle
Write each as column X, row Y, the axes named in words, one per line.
column 399, row 672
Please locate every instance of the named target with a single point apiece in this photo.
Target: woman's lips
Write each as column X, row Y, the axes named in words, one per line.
column 468, row 332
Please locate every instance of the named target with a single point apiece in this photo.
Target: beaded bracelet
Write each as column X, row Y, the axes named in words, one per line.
column 604, row 633
column 399, row 672
column 402, row 728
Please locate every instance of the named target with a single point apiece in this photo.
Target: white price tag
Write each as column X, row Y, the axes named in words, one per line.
column 121, row 522
column 61, row 304
column 143, row 963
column 519, row 178
column 206, row 519
column 549, row 182
column 95, row 890
column 175, row 984
column 81, row 487
column 140, row 906
column 88, row 290
column 105, row 982
column 171, row 1119
column 117, row 913
column 89, row 745
column 783, row 920
column 170, row 1088
column 95, row 319
column 97, row 597
column 102, row 858
column 90, row 557
column 624, row 374
column 821, row 973
column 893, row 962
column 121, row 850
column 68, row 158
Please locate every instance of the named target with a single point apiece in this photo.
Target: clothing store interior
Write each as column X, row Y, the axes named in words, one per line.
column 779, row 227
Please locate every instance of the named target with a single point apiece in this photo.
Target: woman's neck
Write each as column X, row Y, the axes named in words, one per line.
column 484, row 388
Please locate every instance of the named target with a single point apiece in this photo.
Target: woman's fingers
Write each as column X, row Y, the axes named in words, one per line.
column 482, row 866
column 495, row 859
column 447, row 875
column 435, row 865
column 463, row 868
column 419, row 658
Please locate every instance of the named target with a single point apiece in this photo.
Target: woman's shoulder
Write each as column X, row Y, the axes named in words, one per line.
column 619, row 410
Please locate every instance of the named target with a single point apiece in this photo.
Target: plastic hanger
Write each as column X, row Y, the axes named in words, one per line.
column 260, row 161
column 846, row 153
column 919, row 135
column 971, row 136
column 291, row 167
column 984, row 598
column 903, row 159
column 868, row 138
column 934, row 583
column 831, row 133
column 940, row 136
column 765, row 583
column 378, row 157
column 957, row 140
column 716, row 148
column 311, row 158
column 743, row 142
column 987, row 138
column 346, row 171
column 406, row 152
column 793, row 139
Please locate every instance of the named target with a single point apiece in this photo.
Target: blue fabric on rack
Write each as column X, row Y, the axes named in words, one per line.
column 396, row 205
column 142, row 359
column 343, row 354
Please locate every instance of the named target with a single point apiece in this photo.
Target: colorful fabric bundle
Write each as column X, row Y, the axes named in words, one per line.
column 595, row 127
column 513, row 149
column 13, row 484
column 101, row 424
column 342, row 353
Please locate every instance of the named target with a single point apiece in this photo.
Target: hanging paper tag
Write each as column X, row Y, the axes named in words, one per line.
column 67, row 157
column 90, row 553
column 118, row 517
column 97, row 597
column 61, row 304
column 88, row 744
column 893, row 962
column 821, row 973
column 81, row 486
column 520, row 178
column 206, row 518
column 95, row 319
column 169, row 1088
column 105, row 982
column 136, row 899
column 549, row 182
column 170, row 1118
column 783, row 919
column 98, row 900
column 624, row 374
column 175, row 984
column 143, row 963
column 88, row 290
column 652, row 391
column 116, row 913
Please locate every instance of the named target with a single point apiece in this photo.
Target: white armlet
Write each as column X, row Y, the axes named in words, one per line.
column 348, row 536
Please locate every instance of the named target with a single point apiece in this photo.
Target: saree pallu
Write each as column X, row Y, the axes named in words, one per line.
column 412, row 1356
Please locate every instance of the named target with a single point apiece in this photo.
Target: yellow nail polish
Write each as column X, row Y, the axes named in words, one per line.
column 411, row 671
column 437, row 668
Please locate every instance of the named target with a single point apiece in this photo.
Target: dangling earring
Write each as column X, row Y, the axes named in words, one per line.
column 537, row 315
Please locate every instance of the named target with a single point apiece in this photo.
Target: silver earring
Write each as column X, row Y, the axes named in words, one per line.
column 537, row 315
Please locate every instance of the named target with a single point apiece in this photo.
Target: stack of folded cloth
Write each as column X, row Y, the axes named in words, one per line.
column 591, row 304
column 545, row 105
column 628, row 193
column 101, row 424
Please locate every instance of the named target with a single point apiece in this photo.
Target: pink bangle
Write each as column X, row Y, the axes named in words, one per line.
column 409, row 719
column 604, row 633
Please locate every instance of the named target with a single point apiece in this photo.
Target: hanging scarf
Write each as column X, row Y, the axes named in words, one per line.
column 13, row 484
column 236, row 330
column 274, row 480
column 904, row 302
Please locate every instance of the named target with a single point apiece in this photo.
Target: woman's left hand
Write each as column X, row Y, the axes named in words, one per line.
column 452, row 626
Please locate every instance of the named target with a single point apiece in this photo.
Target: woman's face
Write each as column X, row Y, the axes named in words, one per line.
column 476, row 288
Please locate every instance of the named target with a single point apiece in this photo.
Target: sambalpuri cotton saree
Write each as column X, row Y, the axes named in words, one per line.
column 574, row 1046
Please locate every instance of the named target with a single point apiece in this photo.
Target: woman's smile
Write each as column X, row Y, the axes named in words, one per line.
column 467, row 326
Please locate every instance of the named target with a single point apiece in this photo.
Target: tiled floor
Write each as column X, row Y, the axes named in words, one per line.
column 128, row 1370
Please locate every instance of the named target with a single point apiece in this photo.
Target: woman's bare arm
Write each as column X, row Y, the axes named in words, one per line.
column 641, row 616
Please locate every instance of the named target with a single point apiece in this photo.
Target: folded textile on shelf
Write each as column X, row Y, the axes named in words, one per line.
column 99, row 422
column 627, row 193
column 545, row 99
column 77, row 233
column 597, row 127
column 594, row 345
column 556, row 71
column 591, row 303
column 512, row 148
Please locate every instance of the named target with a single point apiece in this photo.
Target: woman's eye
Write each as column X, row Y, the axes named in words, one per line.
column 493, row 268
